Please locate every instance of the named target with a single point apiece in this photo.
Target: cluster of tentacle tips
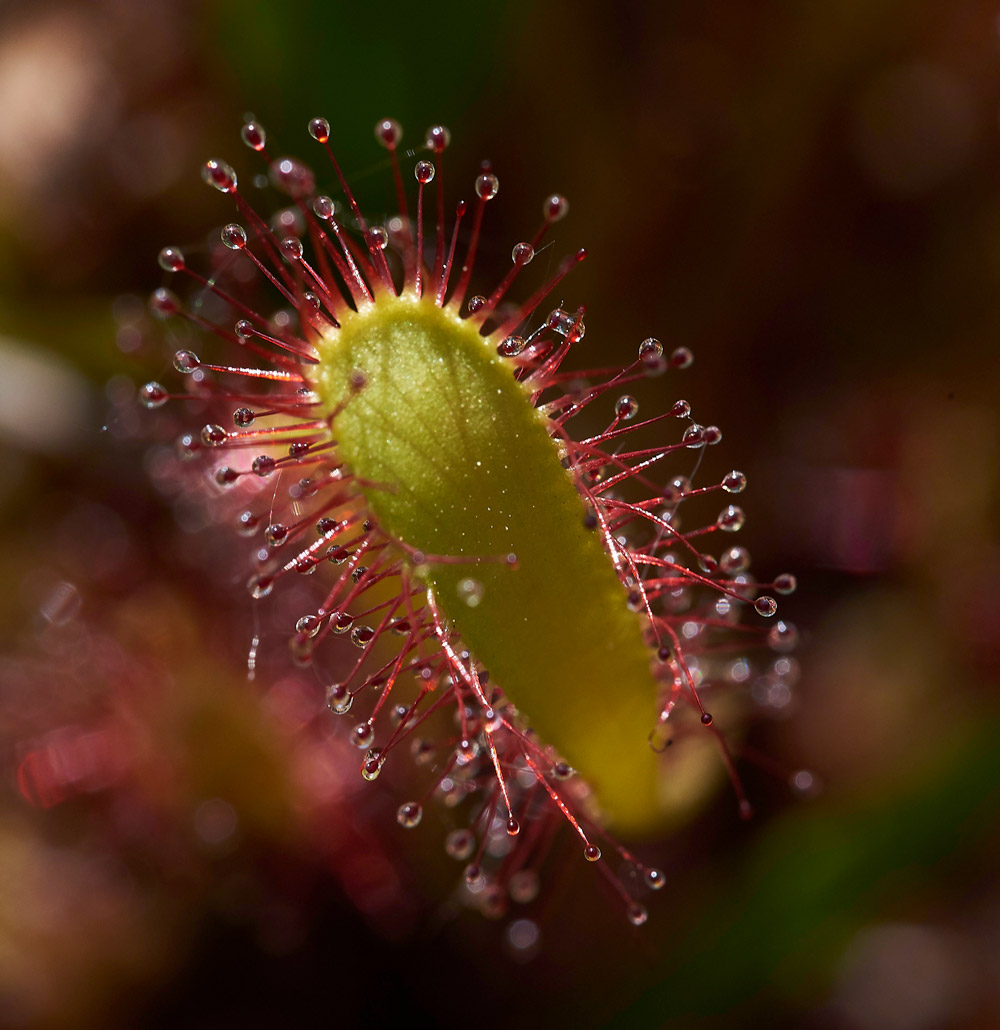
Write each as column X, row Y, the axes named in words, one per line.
column 274, row 291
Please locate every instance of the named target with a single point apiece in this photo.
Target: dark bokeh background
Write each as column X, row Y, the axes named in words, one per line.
column 808, row 196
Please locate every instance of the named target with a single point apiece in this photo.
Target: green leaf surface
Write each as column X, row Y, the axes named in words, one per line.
column 463, row 466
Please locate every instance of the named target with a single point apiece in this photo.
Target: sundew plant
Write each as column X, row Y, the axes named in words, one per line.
column 522, row 609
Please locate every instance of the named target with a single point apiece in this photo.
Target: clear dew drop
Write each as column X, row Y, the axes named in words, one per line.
column 291, row 247
column 263, row 465
column 339, row 699
column 694, row 436
column 324, row 208
column 308, row 625
column 388, row 132
column 731, row 519
column 243, row 417
column 511, row 346
column 276, row 534
column 476, row 303
column 782, row 637
column 734, row 482
column 362, row 735
column 470, row 591
column 219, row 175
column 711, row 435
column 244, row 329
column 214, row 436
column 186, row 361
column 372, row 764
column 378, row 237
column 592, row 853
column 650, row 349
column 513, row 827
column 680, row 409
column 765, row 606
column 341, row 622
column 566, row 325
column 153, row 395
column 254, row 136
column 654, row 878
column 708, row 564
column 487, row 186
column 319, row 129
column 522, row 254
column 361, row 636
column 327, row 526
column 409, row 814
column 234, row 236
column 337, row 556
column 225, row 476
column 171, row 259
column 626, row 407
column 423, row 172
